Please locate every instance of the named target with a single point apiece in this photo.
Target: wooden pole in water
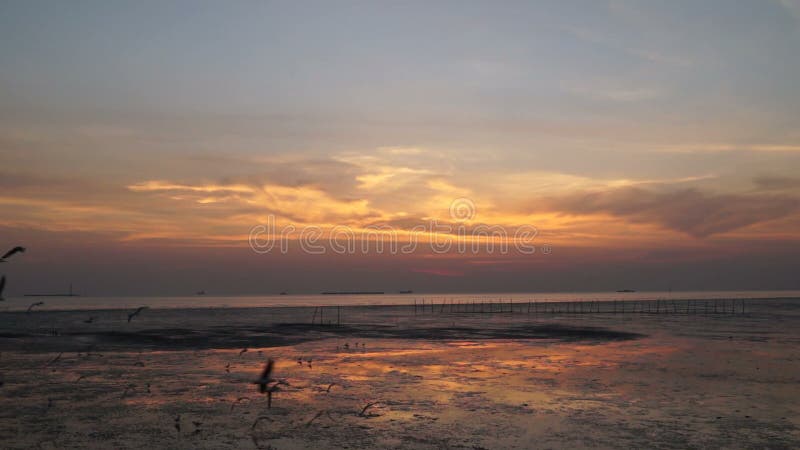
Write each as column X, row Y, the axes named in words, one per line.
column 314, row 317
column 338, row 316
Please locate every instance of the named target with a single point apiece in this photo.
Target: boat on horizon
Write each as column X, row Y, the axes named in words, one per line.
column 352, row 293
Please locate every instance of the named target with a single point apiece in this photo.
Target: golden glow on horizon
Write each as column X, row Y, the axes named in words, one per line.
column 404, row 188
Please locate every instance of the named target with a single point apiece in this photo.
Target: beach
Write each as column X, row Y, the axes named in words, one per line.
column 401, row 377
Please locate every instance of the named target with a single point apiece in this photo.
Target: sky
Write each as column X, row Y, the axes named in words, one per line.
column 650, row 144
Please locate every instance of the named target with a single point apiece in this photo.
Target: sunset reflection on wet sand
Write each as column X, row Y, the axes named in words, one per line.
column 681, row 381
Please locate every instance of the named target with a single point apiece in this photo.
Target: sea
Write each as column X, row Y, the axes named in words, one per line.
column 213, row 301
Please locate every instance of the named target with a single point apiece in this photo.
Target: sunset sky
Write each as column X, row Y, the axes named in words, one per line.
column 652, row 144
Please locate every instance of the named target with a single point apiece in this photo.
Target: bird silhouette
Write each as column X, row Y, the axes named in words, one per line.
column 54, row 360
column 368, row 406
column 244, row 350
column 265, row 380
column 2, row 286
column 136, row 313
column 235, row 402
column 11, row 252
column 34, row 304
column 89, row 320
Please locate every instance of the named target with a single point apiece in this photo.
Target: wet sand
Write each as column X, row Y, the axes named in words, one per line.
column 438, row 380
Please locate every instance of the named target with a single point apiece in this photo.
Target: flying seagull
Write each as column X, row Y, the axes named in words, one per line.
column 11, row 252
column 54, row 360
column 34, row 304
column 238, row 400
column 2, row 286
column 136, row 313
column 265, row 380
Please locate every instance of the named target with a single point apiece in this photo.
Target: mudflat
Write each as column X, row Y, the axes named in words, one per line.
column 385, row 377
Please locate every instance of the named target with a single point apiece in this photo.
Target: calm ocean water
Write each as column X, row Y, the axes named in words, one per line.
column 210, row 301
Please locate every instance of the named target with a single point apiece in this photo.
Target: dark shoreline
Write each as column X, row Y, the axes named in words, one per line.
column 283, row 334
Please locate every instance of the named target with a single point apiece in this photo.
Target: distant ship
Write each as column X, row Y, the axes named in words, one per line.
column 284, row 293
column 626, row 290
column 69, row 294
column 201, row 292
column 352, row 293
column 406, row 292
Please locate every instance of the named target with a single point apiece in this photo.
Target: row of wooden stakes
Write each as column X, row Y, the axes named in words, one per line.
column 658, row 306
